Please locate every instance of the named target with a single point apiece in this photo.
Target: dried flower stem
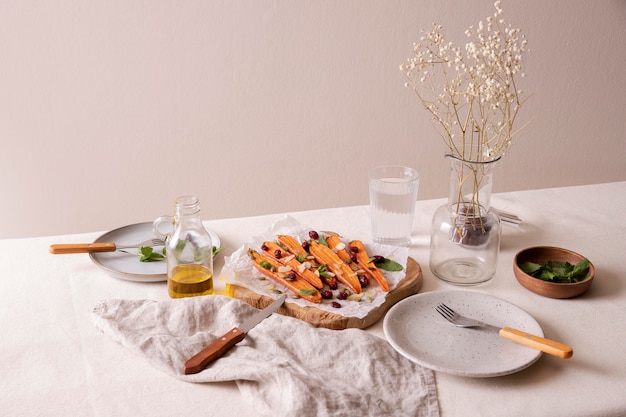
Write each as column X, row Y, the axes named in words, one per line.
column 472, row 96
column 471, row 92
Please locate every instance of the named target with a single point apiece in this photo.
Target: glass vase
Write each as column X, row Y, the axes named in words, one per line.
column 465, row 234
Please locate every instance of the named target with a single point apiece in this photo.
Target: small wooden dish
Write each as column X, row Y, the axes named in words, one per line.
column 542, row 254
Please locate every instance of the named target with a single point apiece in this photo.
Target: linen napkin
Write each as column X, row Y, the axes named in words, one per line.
column 284, row 366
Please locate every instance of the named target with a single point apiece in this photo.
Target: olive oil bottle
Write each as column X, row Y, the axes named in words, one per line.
column 189, row 252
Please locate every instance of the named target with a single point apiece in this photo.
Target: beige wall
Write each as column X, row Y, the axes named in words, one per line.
column 110, row 109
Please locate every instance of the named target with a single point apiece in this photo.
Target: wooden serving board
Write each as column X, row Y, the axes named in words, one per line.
column 410, row 285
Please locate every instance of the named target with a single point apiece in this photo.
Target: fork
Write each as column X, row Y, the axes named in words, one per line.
column 99, row 246
column 507, row 217
column 545, row 345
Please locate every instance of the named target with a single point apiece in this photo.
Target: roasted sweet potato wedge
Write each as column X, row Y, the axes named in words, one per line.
column 275, row 251
column 364, row 261
column 274, row 270
column 325, row 256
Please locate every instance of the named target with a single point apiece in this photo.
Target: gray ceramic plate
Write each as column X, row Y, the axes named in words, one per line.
column 415, row 329
column 127, row 266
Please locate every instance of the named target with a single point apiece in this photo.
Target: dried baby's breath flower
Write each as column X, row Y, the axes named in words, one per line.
column 471, row 92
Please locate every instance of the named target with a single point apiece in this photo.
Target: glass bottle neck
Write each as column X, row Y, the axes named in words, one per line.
column 187, row 206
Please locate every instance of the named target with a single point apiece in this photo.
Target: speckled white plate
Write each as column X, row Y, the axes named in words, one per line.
column 415, row 329
column 127, row 266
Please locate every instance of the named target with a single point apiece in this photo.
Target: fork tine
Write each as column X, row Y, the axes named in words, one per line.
column 445, row 311
column 148, row 242
column 456, row 318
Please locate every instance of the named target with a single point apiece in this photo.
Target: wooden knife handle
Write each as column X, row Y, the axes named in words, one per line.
column 545, row 345
column 213, row 351
column 82, row 248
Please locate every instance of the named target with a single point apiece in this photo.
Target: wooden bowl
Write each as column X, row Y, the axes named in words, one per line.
column 542, row 254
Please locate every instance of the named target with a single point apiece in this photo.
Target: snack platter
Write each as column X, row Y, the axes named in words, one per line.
column 365, row 304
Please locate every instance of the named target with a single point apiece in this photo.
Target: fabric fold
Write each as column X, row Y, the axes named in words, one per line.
column 284, row 366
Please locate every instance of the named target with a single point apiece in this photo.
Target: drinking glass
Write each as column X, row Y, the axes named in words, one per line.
column 393, row 191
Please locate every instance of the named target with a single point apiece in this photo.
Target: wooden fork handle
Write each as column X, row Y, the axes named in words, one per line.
column 58, row 249
column 545, row 345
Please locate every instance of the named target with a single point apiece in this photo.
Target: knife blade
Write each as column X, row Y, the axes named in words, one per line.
column 222, row 344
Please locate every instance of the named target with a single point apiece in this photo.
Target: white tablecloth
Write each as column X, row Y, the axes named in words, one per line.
column 54, row 362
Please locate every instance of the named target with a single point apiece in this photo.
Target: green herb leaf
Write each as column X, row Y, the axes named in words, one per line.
column 530, row 267
column 580, row 268
column 180, row 245
column 389, row 265
column 265, row 264
column 557, row 271
column 308, row 292
column 547, row 275
column 322, row 241
column 147, row 254
column 216, row 250
column 561, row 269
column 323, row 271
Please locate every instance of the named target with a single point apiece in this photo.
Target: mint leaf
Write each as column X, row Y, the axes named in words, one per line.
column 547, row 275
column 580, row 268
column 323, row 272
column 180, row 245
column 147, row 254
column 530, row 267
column 389, row 265
column 557, row 271
column 561, row 269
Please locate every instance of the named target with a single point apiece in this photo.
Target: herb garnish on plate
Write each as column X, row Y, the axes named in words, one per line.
column 148, row 254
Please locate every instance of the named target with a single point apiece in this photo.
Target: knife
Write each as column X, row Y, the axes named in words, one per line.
column 219, row 346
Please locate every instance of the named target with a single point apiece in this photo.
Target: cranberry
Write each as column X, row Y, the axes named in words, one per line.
column 343, row 295
column 264, row 247
column 354, row 249
column 364, row 281
column 290, row 276
column 332, row 284
column 313, row 235
column 353, row 257
column 326, row 294
column 377, row 259
column 305, row 246
column 335, row 304
column 278, row 254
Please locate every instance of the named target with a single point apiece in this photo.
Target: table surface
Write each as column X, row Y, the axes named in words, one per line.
column 55, row 362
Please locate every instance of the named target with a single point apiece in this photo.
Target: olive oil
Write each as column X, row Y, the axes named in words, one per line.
column 189, row 252
column 190, row 280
